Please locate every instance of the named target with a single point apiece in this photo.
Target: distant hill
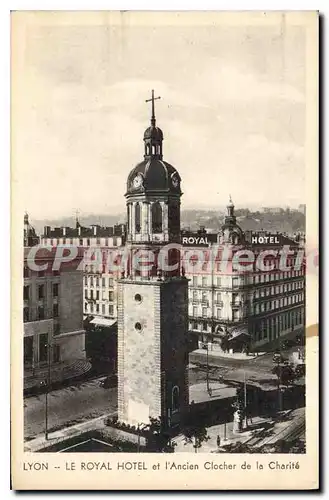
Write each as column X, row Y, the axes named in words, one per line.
column 286, row 220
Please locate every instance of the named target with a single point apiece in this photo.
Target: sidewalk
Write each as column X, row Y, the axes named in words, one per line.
column 218, row 353
column 198, row 392
column 55, row 437
column 210, row 446
column 263, row 431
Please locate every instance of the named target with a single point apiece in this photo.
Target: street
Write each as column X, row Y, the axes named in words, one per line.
column 263, row 362
column 75, row 403
column 68, row 406
column 87, row 400
column 257, row 370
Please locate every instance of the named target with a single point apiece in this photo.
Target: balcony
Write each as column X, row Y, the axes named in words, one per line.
column 90, row 300
column 236, row 304
column 205, row 303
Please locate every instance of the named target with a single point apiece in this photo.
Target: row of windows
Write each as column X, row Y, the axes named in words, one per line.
column 275, row 304
column 266, row 277
column 104, row 309
column 205, row 296
column 41, row 291
column 204, row 312
column 40, row 313
column 217, row 313
column 96, row 281
column 238, row 281
column 287, row 287
column 204, row 280
column 205, row 326
column 39, row 274
column 96, row 296
column 271, row 328
column 82, row 241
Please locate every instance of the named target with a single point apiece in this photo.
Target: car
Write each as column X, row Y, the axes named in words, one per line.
column 109, row 381
column 300, row 370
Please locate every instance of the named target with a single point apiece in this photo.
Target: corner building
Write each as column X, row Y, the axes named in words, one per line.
column 246, row 309
column 52, row 311
column 152, row 304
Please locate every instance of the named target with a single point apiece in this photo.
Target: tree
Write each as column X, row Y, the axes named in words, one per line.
column 240, row 448
column 224, row 342
column 196, row 434
column 160, row 437
column 285, row 374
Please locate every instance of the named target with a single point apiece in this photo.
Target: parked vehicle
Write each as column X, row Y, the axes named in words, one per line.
column 110, row 381
column 278, row 358
column 300, row 370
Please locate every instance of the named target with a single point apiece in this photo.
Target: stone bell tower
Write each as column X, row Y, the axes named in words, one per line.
column 153, row 294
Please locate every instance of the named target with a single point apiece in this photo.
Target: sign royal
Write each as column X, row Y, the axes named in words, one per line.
column 195, row 240
column 198, row 239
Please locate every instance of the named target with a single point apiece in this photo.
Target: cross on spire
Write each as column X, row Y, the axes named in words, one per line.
column 153, row 111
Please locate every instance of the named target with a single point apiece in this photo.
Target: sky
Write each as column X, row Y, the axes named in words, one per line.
column 232, row 111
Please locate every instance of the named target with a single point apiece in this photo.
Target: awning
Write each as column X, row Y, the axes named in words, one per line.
column 238, row 332
column 102, row 321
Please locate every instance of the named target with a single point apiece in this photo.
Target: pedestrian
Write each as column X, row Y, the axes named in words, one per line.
column 218, row 441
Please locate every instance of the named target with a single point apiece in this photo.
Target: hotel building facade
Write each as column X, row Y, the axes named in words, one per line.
column 228, row 308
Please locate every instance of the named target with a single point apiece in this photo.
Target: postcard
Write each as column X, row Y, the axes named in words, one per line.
column 165, row 250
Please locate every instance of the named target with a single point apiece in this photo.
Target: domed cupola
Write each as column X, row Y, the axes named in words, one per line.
column 231, row 232
column 153, row 174
column 153, row 192
column 30, row 237
column 153, row 134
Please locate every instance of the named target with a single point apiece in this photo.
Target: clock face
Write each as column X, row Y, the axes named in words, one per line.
column 137, row 182
column 175, row 181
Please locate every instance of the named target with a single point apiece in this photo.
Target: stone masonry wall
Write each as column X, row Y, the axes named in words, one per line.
column 139, row 359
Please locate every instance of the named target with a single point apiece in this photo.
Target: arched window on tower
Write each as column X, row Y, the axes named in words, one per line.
column 175, row 399
column 128, row 217
column 137, row 218
column 235, row 238
column 174, row 217
column 156, row 218
column 153, row 149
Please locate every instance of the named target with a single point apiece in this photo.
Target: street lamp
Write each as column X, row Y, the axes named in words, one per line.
column 209, row 390
column 46, row 383
column 277, row 359
column 140, row 427
column 245, row 398
column 225, row 436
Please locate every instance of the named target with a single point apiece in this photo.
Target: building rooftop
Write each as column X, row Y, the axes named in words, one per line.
column 81, row 232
